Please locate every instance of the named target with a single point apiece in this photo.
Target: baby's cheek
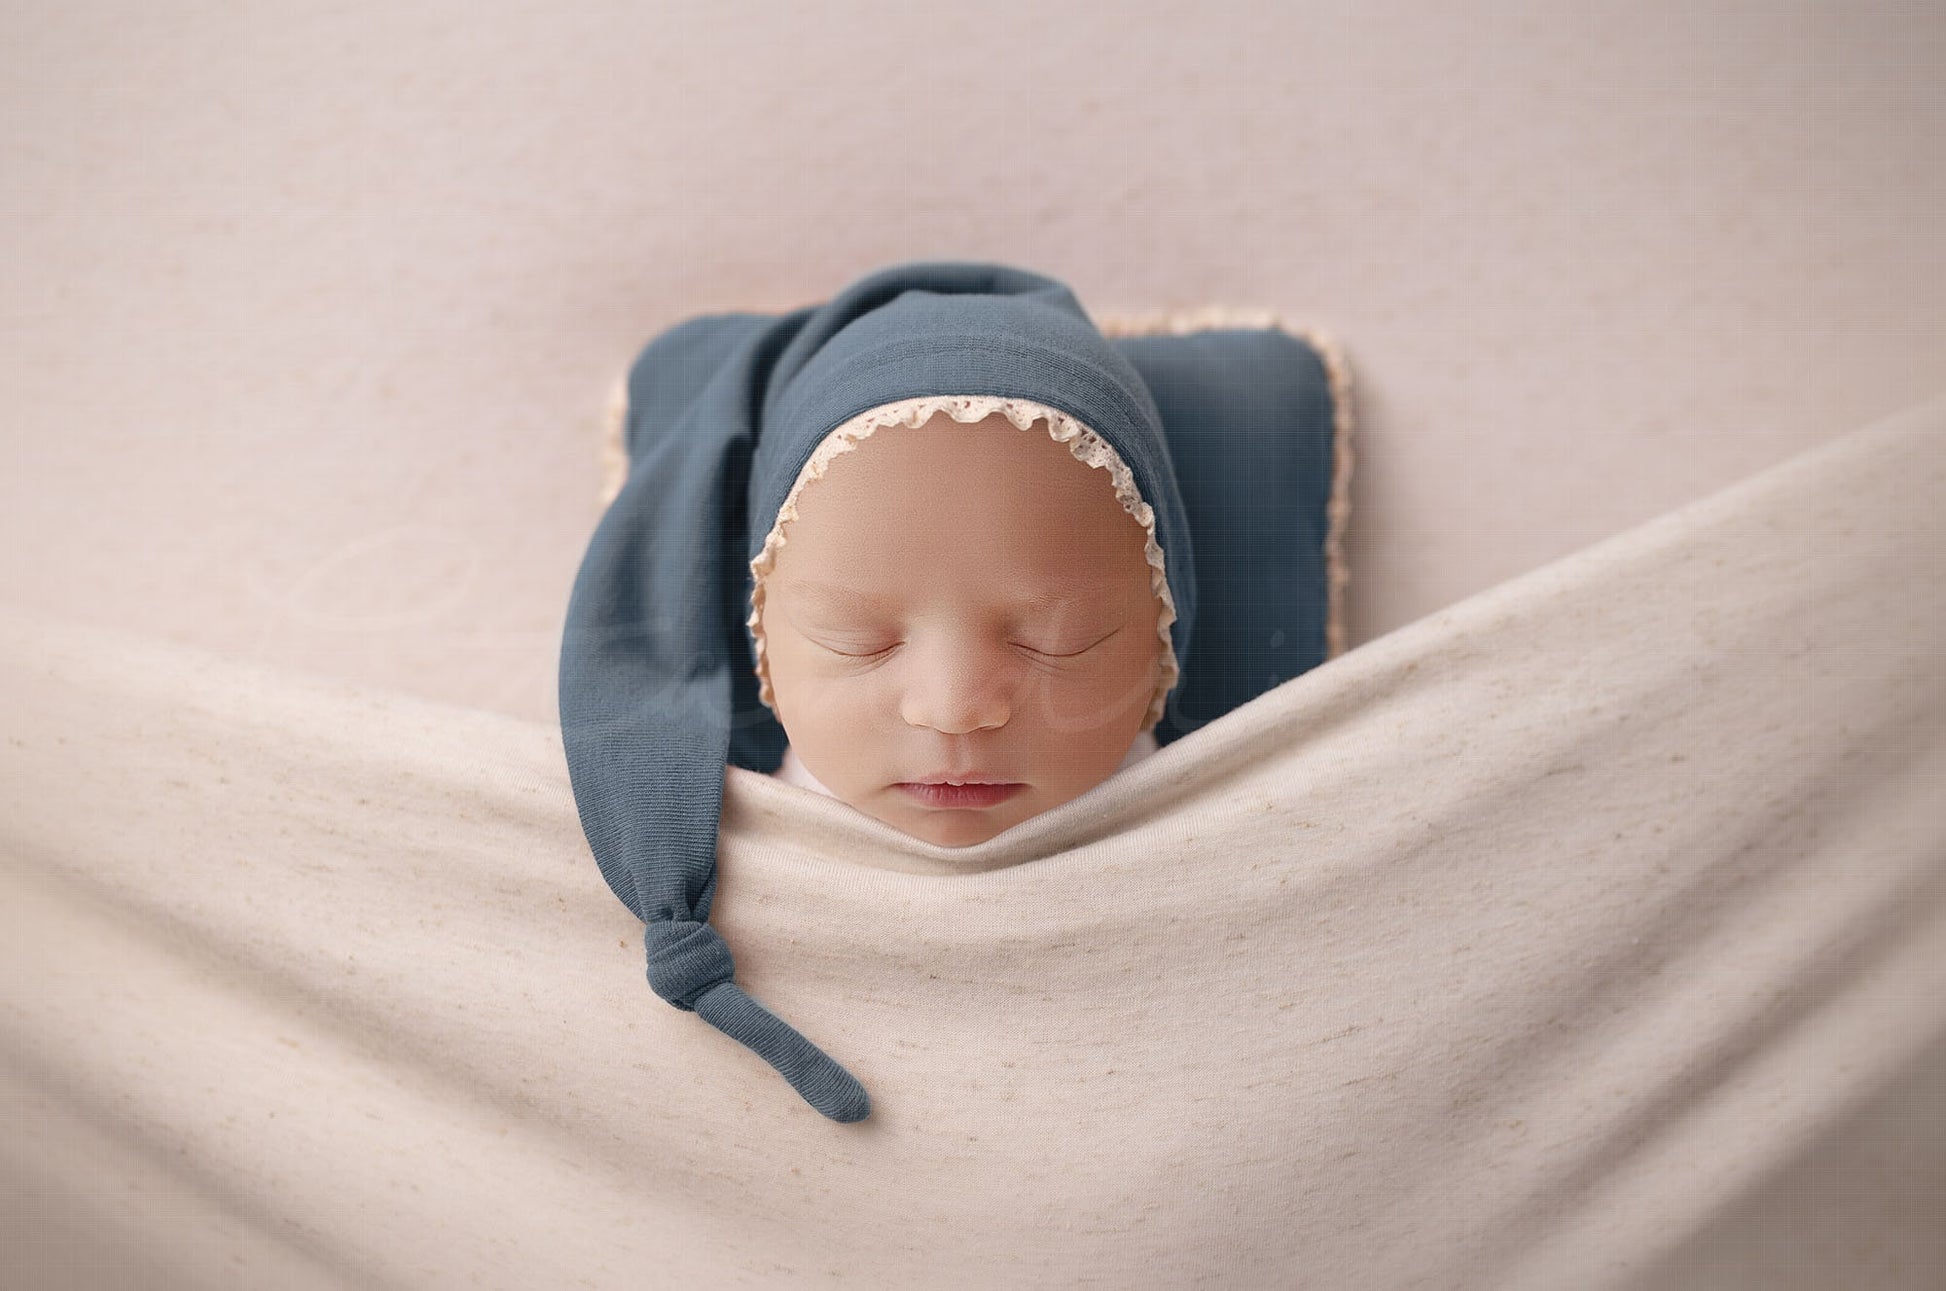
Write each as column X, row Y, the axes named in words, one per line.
column 838, row 728
column 802, row 688
column 1092, row 698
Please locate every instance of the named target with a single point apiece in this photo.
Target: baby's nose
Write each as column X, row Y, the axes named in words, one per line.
column 957, row 690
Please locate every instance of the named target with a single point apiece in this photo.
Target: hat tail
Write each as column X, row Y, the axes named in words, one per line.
column 819, row 1080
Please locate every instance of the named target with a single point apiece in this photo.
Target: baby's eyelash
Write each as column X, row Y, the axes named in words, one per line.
column 1045, row 654
column 1084, row 649
column 844, row 654
column 1048, row 654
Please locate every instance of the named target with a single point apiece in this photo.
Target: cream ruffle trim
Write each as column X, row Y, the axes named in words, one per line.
column 1085, row 444
column 614, row 451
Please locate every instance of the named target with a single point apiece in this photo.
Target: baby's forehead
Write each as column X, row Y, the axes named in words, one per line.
column 860, row 589
column 992, row 452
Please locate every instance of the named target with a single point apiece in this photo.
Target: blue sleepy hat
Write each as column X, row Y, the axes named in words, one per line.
column 660, row 661
column 659, row 689
column 966, row 341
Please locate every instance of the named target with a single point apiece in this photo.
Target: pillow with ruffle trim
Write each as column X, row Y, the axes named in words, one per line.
column 1258, row 417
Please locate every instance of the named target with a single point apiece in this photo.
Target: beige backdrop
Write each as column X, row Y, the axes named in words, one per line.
column 310, row 308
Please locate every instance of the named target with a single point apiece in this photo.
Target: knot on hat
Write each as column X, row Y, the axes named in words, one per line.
column 691, row 968
column 687, row 958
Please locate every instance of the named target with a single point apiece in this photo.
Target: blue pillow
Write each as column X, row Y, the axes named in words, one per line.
column 1258, row 423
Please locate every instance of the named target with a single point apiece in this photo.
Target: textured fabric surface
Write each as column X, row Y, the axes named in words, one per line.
column 1553, row 925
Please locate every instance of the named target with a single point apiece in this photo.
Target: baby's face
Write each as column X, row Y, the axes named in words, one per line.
column 961, row 600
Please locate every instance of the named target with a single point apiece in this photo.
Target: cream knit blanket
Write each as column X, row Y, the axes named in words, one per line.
column 1509, row 950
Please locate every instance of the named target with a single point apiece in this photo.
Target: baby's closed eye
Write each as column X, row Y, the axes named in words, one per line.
column 1051, row 651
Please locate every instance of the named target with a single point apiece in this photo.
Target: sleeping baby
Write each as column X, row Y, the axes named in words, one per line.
column 950, row 503
column 959, row 627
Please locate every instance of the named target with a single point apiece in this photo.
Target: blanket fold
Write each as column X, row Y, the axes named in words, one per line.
column 1513, row 949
